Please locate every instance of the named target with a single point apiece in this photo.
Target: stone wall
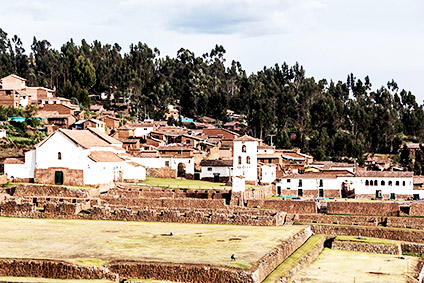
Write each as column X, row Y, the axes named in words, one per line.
column 406, row 222
column 374, row 232
column 181, row 272
column 259, row 193
column 3, row 179
column 50, row 191
column 273, row 259
column 289, row 206
column 417, row 209
column 163, row 172
column 240, row 216
column 304, row 261
column 366, row 248
column 53, row 269
column 363, row 208
column 339, row 219
column 71, row 177
column 165, row 202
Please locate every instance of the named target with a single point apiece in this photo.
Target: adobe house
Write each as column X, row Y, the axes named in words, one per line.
column 76, row 158
column 217, row 170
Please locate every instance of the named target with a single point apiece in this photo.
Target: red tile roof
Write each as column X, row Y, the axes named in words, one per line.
column 104, row 156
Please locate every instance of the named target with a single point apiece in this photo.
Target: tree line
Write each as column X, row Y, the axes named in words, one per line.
column 328, row 119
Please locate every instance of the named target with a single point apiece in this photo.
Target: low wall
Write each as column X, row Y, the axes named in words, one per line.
column 363, row 208
column 304, row 261
column 273, row 259
column 181, row 272
column 289, row 206
column 3, row 179
column 367, row 248
column 71, row 177
column 163, row 172
column 166, row 202
column 417, row 209
column 339, row 219
column 259, row 193
column 65, row 210
column 374, row 232
column 53, row 269
column 416, row 249
column 50, row 190
column 406, row 222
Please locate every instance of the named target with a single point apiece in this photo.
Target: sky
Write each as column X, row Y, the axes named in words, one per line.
column 383, row 39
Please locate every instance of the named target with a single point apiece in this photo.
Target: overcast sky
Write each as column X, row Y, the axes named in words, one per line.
column 330, row 38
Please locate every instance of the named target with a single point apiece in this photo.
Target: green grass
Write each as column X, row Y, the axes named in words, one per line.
column 94, row 242
column 363, row 226
column 294, row 259
column 347, row 266
column 366, row 240
column 50, row 280
column 185, row 184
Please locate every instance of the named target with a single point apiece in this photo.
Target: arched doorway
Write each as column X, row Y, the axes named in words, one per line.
column 181, row 170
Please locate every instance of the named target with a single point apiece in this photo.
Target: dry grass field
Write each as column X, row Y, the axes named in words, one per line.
column 346, row 266
column 92, row 242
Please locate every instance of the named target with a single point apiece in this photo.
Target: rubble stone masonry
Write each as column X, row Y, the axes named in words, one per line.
column 363, row 208
column 289, row 206
column 71, row 177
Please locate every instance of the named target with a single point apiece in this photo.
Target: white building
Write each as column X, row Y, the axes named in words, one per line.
column 268, row 173
column 245, row 158
column 216, row 170
column 343, row 183
column 183, row 164
column 85, row 157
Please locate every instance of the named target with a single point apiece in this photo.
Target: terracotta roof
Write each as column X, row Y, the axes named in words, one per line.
column 105, row 137
column 174, row 148
column 193, row 137
column 13, row 160
column 96, row 121
column 129, row 141
column 265, row 146
column 146, row 153
column 15, row 76
column 245, row 138
column 217, row 162
column 393, row 174
column 273, row 156
column 85, row 138
column 141, row 125
column 105, row 156
column 135, row 164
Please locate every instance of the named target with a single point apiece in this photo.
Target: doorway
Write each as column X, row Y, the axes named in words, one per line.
column 321, row 193
column 300, row 192
column 216, row 177
column 58, row 177
column 181, row 170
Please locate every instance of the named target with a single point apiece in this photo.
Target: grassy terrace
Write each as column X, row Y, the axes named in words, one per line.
column 366, row 240
column 346, row 266
column 185, row 184
column 294, row 259
column 92, row 242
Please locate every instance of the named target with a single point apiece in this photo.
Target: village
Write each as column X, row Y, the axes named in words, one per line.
column 96, row 164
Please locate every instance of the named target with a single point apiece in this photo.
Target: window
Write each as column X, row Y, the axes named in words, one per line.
column 210, row 169
column 145, row 129
column 167, row 163
column 239, row 160
column 397, row 183
column 375, row 183
column 403, row 183
column 248, row 160
column 288, row 180
column 390, row 183
column 243, row 148
column 383, row 183
column 300, row 183
column 321, row 182
column 366, row 183
column 59, row 156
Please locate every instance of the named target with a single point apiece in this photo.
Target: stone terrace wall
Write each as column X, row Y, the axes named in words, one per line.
column 3, row 179
column 412, row 247
column 181, row 272
column 363, row 208
column 52, row 269
column 340, row 219
column 65, row 210
column 273, row 259
column 417, row 209
column 406, row 222
column 289, row 206
column 306, row 260
column 259, row 193
column 165, row 202
column 163, row 172
column 374, row 232
column 50, row 190
column 367, row 248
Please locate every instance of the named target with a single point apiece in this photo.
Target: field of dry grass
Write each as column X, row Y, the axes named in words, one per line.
column 91, row 242
column 346, row 266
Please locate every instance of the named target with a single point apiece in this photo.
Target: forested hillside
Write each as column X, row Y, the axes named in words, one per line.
column 328, row 118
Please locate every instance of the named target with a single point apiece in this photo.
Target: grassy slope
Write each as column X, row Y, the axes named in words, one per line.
column 183, row 183
column 294, row 259
column 91, row 242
